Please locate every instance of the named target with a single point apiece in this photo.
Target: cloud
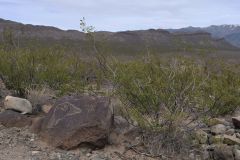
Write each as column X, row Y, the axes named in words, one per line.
column 117, row 15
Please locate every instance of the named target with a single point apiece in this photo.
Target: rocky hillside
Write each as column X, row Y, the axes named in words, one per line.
column 127, row 42
column 230, row 32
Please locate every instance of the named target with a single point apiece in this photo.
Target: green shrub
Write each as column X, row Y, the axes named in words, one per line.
column 52, row 67
column 166, row 96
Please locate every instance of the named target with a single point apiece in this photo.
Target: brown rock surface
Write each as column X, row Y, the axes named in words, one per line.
column 11, row 118
column 77, row 119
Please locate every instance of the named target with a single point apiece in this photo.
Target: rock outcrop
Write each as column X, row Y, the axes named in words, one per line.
column 74, row 120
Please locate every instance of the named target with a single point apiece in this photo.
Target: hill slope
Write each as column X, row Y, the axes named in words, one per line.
column 230, row 32
column 127, row 42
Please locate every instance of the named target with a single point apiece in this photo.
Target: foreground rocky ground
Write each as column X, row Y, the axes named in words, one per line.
column 21, row 144
column 41, row 136
column 84, row 128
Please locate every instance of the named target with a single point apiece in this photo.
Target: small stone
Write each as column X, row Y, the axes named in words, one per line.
column 46, row 108
column 230, row 132
column 218, row 129
column 88, row 154
column 192, row 156
column 231, row 140
column 237, row 135
column 201, row 136
column 237, row 130
column 207, row 130
column 35, row 152
column 216, row 121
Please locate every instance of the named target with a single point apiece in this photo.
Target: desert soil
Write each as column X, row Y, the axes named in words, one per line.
column 21, row 144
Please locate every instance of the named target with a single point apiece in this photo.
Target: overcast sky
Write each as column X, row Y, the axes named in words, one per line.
column 116, row 15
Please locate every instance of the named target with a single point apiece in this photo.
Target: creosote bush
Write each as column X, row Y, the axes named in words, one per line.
column 161, row 96
column 167, row 96
column 51, row 67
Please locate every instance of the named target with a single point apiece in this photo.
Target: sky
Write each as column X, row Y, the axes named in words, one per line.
column 119, row 15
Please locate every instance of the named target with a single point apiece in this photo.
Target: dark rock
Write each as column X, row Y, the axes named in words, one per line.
column 11, row 118
column 74, row 120
column 236, row 122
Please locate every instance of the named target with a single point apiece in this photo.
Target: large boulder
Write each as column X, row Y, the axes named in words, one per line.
column 74, row 120
column 11, row 118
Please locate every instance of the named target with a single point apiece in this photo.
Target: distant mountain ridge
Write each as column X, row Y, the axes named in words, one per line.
column 125, row 42
column 230, row 32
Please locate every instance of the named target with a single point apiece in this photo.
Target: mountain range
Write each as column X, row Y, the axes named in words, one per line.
column 191, row 39
column 229, row 32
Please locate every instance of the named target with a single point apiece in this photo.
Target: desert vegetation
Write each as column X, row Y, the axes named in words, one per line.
column 167, row 96
column 163, row 96
column 36, row 66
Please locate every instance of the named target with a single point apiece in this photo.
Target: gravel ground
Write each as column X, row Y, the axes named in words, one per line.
column 21, row 144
